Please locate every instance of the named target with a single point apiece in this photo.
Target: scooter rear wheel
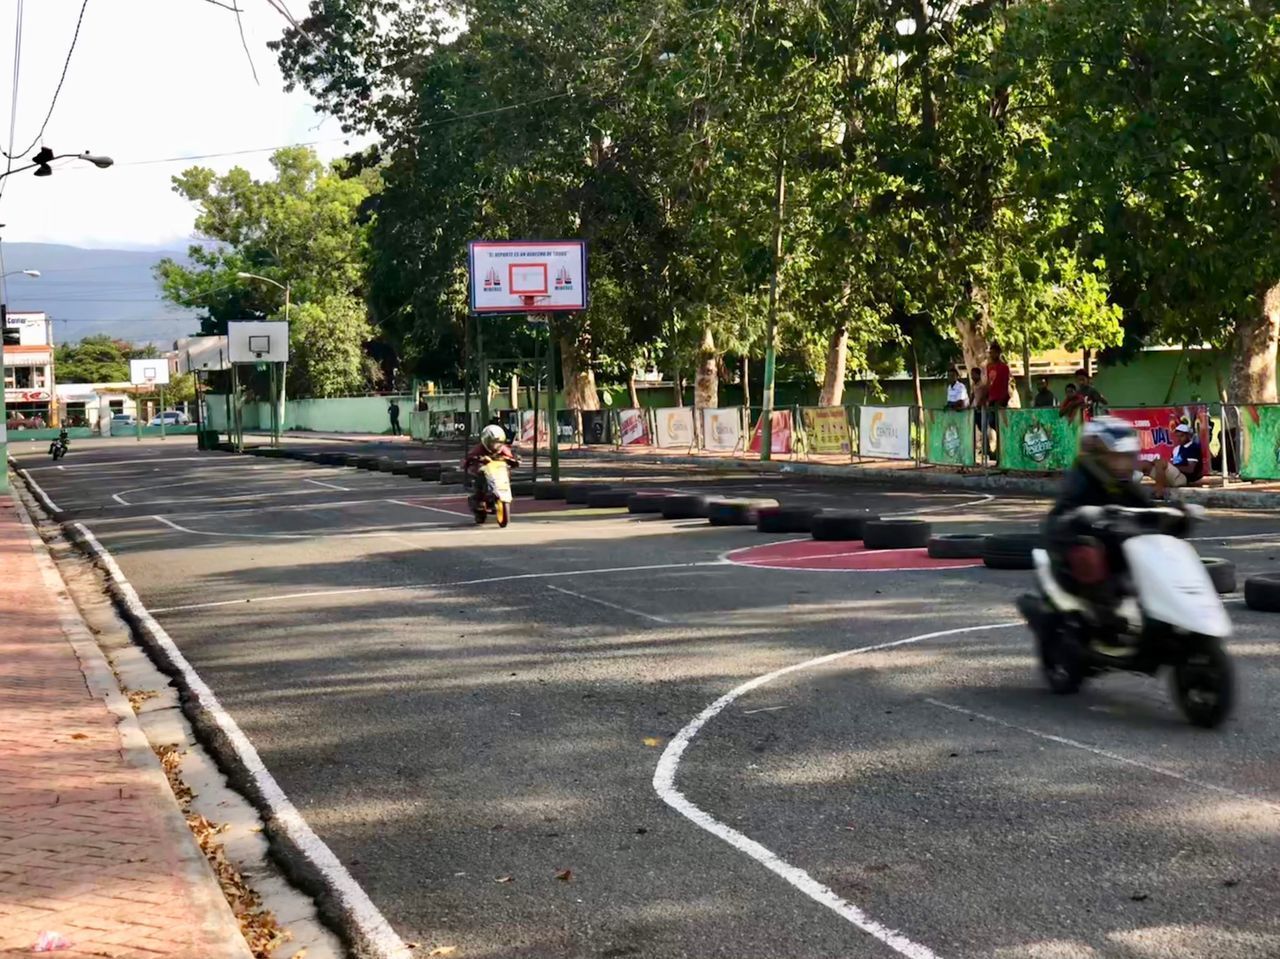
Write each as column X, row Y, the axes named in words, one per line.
column 1062, row 660
column 481, row 516
column 1203, row 683
column 503, row 512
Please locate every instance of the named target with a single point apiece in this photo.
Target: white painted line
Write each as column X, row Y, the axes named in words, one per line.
column 986, row 498
column 605, row 602
column 200, row 532
column 49, row 505
column 1107, row 754
column 344, row 534
column 364, row 915
column 970, row 564
column 664, row 784
column 344, row 489
column 314, row 594
column 1244, row 536
column 434, row 509
column 764, row 709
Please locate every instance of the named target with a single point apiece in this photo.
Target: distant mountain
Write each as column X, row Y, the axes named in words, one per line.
column 97, row 291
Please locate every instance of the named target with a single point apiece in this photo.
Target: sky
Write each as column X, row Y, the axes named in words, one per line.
column 150, row 79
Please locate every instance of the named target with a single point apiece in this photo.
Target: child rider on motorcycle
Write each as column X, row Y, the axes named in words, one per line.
column 492, row 445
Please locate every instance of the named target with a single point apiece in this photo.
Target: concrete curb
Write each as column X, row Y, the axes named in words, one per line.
column 1235, row 498
column 219, row 924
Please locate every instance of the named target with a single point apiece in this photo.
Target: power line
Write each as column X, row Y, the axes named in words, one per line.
column 13, row 108
column 61, row 80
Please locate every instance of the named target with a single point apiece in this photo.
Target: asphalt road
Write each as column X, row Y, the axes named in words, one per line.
column 464, row 713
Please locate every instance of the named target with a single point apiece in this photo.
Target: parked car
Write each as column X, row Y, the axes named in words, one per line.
column 171, row 418
column 123, row 419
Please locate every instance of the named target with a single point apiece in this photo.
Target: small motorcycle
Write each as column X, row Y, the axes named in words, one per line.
column 58, row 448
column 492, row 496
column 1168, row 614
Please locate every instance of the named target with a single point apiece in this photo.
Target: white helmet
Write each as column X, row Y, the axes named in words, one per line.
column 1109, row 434
column 492, row 436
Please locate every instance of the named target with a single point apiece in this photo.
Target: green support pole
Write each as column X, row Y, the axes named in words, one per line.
column 137, row 412
column 537, row 384
column 771, row 337
column 553, row 427
column 162, row 436
column 482, row 372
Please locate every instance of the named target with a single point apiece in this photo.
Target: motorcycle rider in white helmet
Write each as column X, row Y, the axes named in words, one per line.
column 492, row 445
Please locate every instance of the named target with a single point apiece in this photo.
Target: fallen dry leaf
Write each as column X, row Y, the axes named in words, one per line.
column 652, row 741
column 564, row 875
column 79, row 736
column 505, row 879
column 139, row 696
column 443, row 951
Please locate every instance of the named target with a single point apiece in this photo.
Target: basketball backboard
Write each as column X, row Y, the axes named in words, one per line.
column 528, row 276
column 258, row 341
column 203, row 354
column 149, row 372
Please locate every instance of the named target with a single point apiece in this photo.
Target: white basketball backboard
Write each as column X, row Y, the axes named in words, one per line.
column 528, row 276
column 149, row 372
column 203, row 354
column 258, row 341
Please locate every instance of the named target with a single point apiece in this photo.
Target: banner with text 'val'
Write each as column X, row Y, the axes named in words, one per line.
column 1260, row 442
column 633, row 427
column 948, row 437
column 1156, row 425
column 780, row 427
column 721, row 428
column 827, row 429
column 675, row 426
column 1037, row 440
column 885, row 431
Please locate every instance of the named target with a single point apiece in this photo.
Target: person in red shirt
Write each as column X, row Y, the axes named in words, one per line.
column 997, row 378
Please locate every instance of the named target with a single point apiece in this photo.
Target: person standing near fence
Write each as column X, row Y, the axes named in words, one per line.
column 1092, row 398
column 997, row 380
column 1044, row 396
column 957, row 392
column 393, row 411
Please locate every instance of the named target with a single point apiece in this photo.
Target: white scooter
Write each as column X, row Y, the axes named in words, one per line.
column 1168, row 614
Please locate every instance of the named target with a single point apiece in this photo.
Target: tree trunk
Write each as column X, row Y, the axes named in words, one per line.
column 833, row 376
column 746, row 381
column 1253, row 361
column 973, row 332
column 706, row 388
column 632, row 393
column 579, row 379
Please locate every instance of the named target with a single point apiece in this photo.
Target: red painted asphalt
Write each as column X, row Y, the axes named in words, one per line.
column 812, row 554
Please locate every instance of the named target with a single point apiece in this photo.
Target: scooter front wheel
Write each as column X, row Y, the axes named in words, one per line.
column 503, row 512
column 1062, row 660
column 1203, row 683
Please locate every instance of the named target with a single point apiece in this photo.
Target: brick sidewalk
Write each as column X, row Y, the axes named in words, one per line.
column 92, row 844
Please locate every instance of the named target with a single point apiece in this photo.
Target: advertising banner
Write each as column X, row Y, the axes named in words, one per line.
column 780, row 440
column 633, row 428
column 1037, row 440
column 597, row 427
column 675, row 427
column 948, row 436
column 721, row 428
column 885, row 431
column 1260, row 442
column 827, row 429
column 526, row 427
column 1155, row 426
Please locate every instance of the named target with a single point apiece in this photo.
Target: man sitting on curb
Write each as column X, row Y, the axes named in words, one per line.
column 1184, row 468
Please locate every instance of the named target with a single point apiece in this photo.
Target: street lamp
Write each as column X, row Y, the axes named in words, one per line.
column 286, row 286
column 4, row 414
column 279, row 397
column 42, row 160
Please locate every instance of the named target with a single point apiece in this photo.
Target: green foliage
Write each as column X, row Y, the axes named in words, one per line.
column 326, row 347
column 95, row 359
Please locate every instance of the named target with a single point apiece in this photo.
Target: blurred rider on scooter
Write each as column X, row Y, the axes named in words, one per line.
column 492, row 446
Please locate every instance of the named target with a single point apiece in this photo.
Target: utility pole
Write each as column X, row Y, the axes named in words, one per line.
column 771, row 336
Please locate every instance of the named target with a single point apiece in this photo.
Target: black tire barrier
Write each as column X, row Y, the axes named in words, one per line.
column 387, row 465
column 958, row 546
column 431, row 471
column 351, row 459
column 1010, row 550
column 896, row 534
column 451, row 477
column 1263, row 592
column 737, row 512
column 684, row 506
column 786, row 519
column 523, row 489
column 331, row 459
column 401, row 469
column 548, row 491
column 576, row 494
column 839, row 525
column 608, row 498
column 368, row 463
column 1222, row 572
column 645, row 502
column 414, row 470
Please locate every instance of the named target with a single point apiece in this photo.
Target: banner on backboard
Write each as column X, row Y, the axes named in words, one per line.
column 721, row 428
column 781, row 428
column 827, row 429
column 675, row 426
column 885, row 431
column 633, row 428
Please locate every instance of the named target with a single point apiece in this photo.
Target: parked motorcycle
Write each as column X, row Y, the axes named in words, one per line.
column 1166, row 613
column 58, row 448
column 492, row 496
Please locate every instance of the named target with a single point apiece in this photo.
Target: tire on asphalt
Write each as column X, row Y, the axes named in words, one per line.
column 958, row 546
column 736, row 512
column 684, row 506
column 1263, row 592
column 431, row 471
column 1222, row 572
column 368, row 463
column 645, row 502
column 525, row 488
column 608, row 498
column 451, row 477
column 839, row 525
column 548, row 491
column 576, row 494
column 896, row 534
column 1010, row 550
column 786, row 519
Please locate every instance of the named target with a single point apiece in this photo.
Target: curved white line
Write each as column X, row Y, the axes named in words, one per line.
column 364, row 914
column 986, row 498
column 664, row 784
column 49, row 505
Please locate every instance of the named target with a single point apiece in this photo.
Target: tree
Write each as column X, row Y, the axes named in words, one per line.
column 95, row 359
column 326, row 349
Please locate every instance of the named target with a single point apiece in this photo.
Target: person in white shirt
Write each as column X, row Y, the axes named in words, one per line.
column 957, row 392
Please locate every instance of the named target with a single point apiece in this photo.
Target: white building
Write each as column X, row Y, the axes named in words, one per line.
column 93, row 404
column 28, row 367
